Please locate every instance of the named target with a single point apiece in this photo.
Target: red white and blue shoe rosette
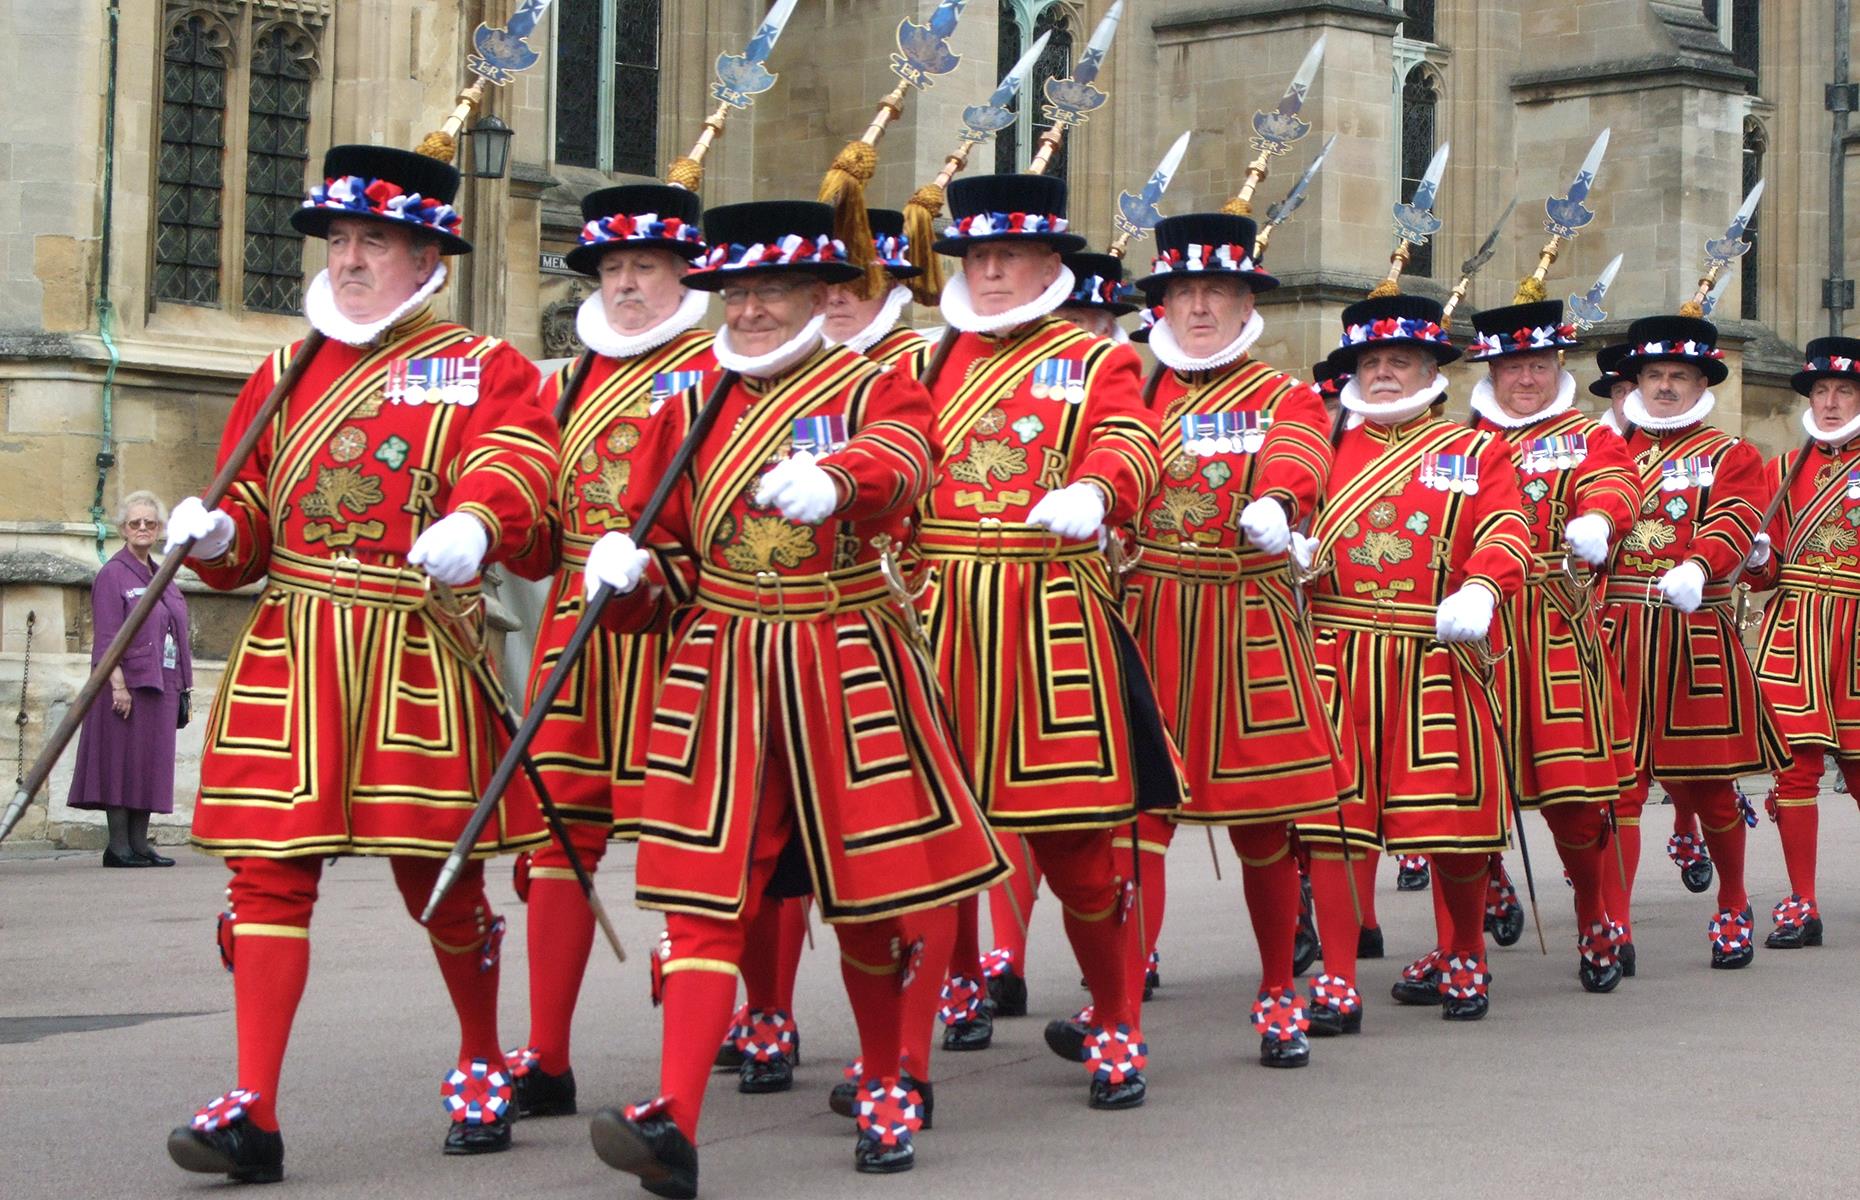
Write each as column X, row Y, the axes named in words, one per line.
column 1337, row 994
column 656, row 1108
column 1114, row 1056
column 1465, row 977
column 962, row 1000
column 888, row 1112
column 1596, row 944
column 997, row 962
column 1277, row 1014
column 1794, row 913
column 223, row 1111
column 475, row 1093
column 770, row 1037
column 518, row 1063
column 1730, row 931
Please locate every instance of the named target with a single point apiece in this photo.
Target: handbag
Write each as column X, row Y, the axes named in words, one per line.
column 186, row 711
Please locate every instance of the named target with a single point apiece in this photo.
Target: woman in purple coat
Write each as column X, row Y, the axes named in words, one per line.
column 126, row 752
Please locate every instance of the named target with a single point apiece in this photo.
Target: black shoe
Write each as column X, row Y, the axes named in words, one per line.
column 1696, row 876
column 1470, row 1008
column 1625, row 952
column 1066, row 1038
column 484, row 1137
column 845, row 1095
column 112, row 859
column 758, row 1078
column 1415, row 880
column 1418, row 992
column 1794, row 937
column 1328, row 1022
column 1128, row 1094
column 151, row 859
column 652, row 1148
column 1009, row 992
column 1369, row 942
column 540, row 1094
column 241, row 1151
column 1508, row 926
column 977, row 1033
column 871, row 1156
column 1601, row 979
column 1280, row 1052
column 729, row 1058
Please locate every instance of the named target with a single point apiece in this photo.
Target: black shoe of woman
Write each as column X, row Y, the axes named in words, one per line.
column 112, row 859
column 150, row 858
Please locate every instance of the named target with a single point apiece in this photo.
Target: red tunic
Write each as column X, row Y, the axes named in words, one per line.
column 344, row 725
column 1697, row 713
column 1567, row 712
column 795, row 651
column 1427, row 715
column 591, row 746
column 1218, row 620
column 1035, row 660
column 1809, row 661
column 901, row 345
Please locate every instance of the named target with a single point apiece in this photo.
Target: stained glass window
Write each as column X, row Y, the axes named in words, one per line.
column 1420, row 101
column 607, row 85
column 277, row 151
column 1015, row 145
column 191, row 163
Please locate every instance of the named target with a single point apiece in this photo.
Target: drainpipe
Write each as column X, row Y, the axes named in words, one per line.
column 1838, row 294
column 106, row 311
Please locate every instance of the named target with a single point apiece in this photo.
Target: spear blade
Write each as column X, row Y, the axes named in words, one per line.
column 1279, row 213
column 1099, row 46
column 1490, row 246
column 1294, row 98
column 1016, row 77
column 1429, row 186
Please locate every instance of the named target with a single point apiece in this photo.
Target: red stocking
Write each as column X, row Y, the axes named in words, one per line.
column 271, row 900
column 1269, row 876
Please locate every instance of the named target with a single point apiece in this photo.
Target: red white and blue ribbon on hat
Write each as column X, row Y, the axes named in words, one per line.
column 475, row 1093
column 1395, row 329
column 1100, row 289
column 820, row 435
column 998, row 224
column 1832, row 362
column 1529, row 337
column 1685, row 349
column 383, row 198
column 621, row 228
column 1558, row 453
column 894, row 251
column 782, row 252
column 1197, row 256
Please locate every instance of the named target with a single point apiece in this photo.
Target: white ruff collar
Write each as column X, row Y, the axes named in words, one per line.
column 1395, row 411
column 1485, row 403
column 959, row 312
column 882, row 324
column 1829, row 437
column 596, row 334
column 1608, row 418
column 766, row 366
column 1170, row 353
column 320, row 308
column 1637, row 415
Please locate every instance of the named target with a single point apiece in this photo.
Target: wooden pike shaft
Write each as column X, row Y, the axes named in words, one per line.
column 1546, row 256
column 889, row 110
column 1398, row 262
column 1706, row 282
column 1454, row 297
column 954, row 164
column 713, row 129
column 1050, row 141
column 1255, row 175
column 1260, row 241
column 468, row 101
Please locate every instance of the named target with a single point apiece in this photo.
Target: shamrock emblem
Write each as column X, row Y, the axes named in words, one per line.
column 1416, row 524
column 1536, row 490
column 393, row 452
column 1677, row 507
column 1028, row 428
column 1217, row 473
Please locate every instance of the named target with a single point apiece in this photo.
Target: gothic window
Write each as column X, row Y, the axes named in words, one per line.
column 607, row 85
column 277, row 153
column 1737, row 23
column 1417, row 20
column 1015, row 145
column 1420, row 106
column 191, row 162
column 1755, row 143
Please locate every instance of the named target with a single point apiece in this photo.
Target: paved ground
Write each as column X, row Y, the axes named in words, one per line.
column 115, row 1023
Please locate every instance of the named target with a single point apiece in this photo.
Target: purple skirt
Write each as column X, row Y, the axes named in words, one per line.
column 128, row 764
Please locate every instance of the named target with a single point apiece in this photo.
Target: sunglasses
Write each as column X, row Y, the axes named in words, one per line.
column 142, row 523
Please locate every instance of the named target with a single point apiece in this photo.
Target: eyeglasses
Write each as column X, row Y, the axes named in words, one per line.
column 142, row 523
column 765, row 293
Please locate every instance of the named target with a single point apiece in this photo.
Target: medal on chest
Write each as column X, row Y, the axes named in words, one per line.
column 1678, row 474
column 818, row 435
column 1060, row 379
column 1559, row 453
column 1449, row 473
column 667, row 384
column 433, row 381
column 1208, row 434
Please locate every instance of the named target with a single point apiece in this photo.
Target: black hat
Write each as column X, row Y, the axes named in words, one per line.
column 792, row 237
column 1204, row 244
column 1828, row 358
column 1674, row 339
column 892, row 247
column 1520, row 329
column 1327, row 379
column 640, row 216
column 1392, row 321
column 1152, row 313
column 381, row 183
column 1608, row 362
column 1000, row 208
column 1098, row 282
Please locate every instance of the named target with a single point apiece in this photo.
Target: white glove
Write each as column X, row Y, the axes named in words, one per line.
column 452, row 549
column 1304, row 551
column 1683, row 586
column 1759, row 553
column 1465, row 616
column 1588, row 537
column 212, row 532
column 1075, row 512
column 800, row 488
column 616, row 562
column 1263, row 521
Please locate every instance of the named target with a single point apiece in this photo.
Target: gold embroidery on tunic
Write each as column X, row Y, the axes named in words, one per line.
column 339, row 488
column 1648, row 536
column 765, row 543
column 987, row 459
column 1381, row 550
column 1182, row 507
